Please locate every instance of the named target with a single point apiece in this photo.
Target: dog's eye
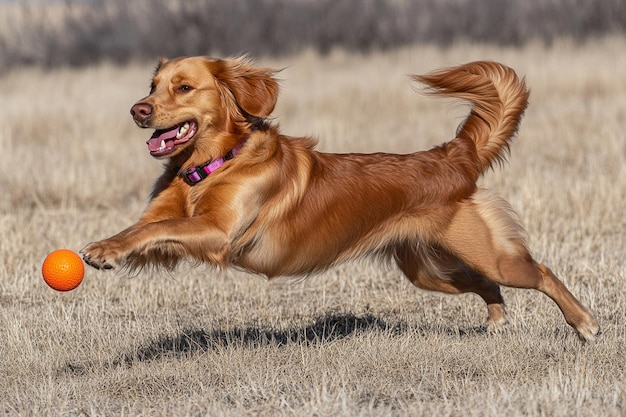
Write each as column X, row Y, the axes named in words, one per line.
column 185, row 88
column 152, row 88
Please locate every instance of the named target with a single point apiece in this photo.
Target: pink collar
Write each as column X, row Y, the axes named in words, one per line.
column 196, row 174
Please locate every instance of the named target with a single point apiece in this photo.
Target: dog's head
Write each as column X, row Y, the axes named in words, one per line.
column 200, row 99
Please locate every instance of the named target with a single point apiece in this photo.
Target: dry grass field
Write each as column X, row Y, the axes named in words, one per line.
column 358, row 340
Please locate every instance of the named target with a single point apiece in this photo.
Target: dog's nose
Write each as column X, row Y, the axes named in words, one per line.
column 141, row 112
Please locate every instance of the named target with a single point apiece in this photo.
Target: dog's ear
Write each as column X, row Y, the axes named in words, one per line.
column 253, row 89
column 161, row 62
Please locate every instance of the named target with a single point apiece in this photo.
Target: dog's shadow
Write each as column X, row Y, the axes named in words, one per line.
column 323, row 330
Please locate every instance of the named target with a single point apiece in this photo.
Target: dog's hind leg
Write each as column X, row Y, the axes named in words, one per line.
column 485, row 235
column 435, row 269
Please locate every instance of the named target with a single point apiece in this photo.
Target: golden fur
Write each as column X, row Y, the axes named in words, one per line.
column 281, row 208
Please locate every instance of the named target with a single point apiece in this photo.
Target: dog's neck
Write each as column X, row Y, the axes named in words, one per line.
column 194, row 175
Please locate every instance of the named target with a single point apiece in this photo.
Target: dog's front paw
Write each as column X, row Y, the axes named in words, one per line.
column 106, row 254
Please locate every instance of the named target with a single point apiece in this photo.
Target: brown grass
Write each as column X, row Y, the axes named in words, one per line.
column 358, row 340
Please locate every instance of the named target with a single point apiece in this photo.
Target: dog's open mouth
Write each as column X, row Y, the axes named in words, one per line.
column 164, row 141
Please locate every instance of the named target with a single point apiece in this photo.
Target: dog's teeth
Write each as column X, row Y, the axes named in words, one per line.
column 162, row 145
column 182, row 131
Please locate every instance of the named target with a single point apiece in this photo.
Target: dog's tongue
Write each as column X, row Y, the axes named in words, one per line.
column 159, row 137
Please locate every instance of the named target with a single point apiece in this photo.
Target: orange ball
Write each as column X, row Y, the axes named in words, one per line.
column 63, row 270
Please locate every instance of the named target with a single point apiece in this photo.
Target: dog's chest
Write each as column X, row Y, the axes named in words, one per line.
column 194, row 196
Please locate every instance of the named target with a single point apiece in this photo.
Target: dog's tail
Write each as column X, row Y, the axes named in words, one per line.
column 498, row 99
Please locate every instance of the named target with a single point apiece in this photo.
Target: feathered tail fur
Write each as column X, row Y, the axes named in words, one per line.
column 498, row 99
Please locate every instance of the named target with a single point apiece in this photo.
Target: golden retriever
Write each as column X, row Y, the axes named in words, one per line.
column 237, row 192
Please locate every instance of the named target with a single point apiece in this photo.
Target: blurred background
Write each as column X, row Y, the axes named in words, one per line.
column 77, row 33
